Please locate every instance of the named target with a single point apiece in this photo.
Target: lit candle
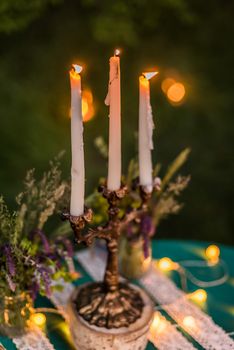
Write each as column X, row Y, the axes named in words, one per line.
column 77, row 169
column 146, row 127
column 113, row 100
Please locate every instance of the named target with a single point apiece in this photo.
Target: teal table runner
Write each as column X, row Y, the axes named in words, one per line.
column 219, row 305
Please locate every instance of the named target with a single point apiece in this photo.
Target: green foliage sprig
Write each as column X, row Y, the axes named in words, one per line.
column 165, row 198
column 28, row 260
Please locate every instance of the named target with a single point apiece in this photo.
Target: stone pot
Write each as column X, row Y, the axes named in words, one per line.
column 91, row 337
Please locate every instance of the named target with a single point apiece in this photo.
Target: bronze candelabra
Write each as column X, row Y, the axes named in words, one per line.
column 111, row 303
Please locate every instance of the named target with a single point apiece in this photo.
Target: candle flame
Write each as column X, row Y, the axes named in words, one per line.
column 149, row 75
column 117, row 52
column 76, row 68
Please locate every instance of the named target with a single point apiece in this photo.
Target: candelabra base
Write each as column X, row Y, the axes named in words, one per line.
column 89, row 336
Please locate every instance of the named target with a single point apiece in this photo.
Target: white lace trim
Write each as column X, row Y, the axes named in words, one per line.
column 209, row 335
column 2, row 347
column 33, row 340
column 169, row 339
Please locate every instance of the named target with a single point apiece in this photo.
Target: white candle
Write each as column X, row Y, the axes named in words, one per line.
column 77, row 169
column 113, row 100
column 146, row 127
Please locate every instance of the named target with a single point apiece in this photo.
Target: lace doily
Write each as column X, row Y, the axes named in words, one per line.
column 169, row 338
column 33, row 340
column 203, row 329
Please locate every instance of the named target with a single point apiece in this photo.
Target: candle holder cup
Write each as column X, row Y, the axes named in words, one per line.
column 111, row 307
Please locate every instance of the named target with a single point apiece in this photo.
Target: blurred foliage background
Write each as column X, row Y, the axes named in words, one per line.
column 187, row 40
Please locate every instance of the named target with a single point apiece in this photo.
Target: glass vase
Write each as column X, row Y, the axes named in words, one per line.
column 15, row 313
column 134, row 261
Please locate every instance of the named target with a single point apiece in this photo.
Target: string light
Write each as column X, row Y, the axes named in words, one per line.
column 166, row 264
column 158, row 325
column 39, row 319
column 189, row 322
column 199, row 296
column 213, row 253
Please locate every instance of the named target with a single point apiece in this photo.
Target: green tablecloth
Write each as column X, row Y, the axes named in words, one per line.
column 219, row 305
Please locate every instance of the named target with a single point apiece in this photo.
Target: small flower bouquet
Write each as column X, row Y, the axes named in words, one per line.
column 29, row 262
column 135, row 250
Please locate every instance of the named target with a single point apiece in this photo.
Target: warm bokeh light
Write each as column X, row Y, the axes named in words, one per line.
column 166, row 84
column 158, row 325
column 149, row 75
column 39, row 319
column 199, row 296
column 63, row 327
column 189, row 322
column 166, row 264
column 87, row 105
column 176, row 93
column 213, row 253
column 74, row 275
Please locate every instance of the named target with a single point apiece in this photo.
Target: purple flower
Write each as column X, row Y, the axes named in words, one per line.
column 68, row 247
column 44, row 240
column 147, row 229
column 34, row 290
column 9, row 260
column 45, row 273
column 146, row 246
column 147, row 226
column 11, row 284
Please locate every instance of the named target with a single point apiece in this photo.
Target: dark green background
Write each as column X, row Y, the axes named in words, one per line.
column 40, row 39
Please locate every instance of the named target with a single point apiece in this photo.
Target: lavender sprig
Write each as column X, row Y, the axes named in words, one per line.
column 9, row 260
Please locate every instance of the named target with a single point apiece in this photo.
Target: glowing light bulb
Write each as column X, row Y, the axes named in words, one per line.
column 213, row 253
column 155, row 322
column 199, row 295
column 166, row 264
column 158, row 325
column 176, row 92
column 74, row 275
column 189, row 322
column 38, row 319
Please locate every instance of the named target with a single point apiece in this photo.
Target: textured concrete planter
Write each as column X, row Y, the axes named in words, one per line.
column 89, row 337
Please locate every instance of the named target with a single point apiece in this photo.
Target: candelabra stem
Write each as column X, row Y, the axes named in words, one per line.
column 111, row 278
